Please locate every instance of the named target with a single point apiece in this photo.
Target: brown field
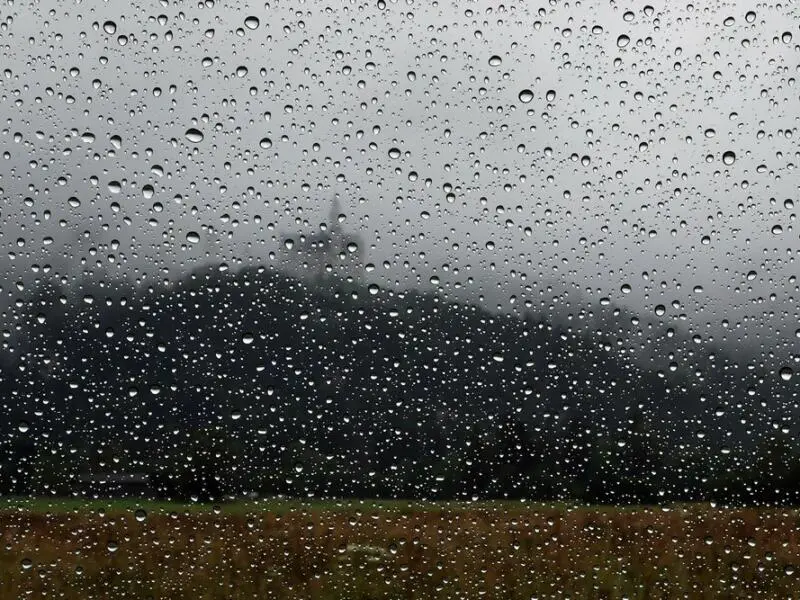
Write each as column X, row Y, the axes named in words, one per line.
column 371, row 551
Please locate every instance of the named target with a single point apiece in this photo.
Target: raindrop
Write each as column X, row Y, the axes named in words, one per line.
column 786, row 373
column 110, row 27
column 525, row 96
column 192, row 237
column 194, row 135
column 729, row 157
column 265, row 143
column 623, row 41
column 252, row 22
column 495, row 61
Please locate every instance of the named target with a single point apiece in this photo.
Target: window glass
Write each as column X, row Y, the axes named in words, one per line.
column 399, row 299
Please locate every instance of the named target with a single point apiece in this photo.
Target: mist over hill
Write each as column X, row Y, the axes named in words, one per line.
column 226, row 381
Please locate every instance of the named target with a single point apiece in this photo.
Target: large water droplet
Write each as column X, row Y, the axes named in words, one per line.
column 194, row 135
column 525, row 96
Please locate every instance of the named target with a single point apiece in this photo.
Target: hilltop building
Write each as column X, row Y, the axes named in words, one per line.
column 332, row 251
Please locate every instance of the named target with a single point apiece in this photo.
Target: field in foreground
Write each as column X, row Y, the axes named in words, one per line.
column 365, row 550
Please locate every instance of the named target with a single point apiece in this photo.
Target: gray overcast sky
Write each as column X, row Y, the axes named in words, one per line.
column 618, row 172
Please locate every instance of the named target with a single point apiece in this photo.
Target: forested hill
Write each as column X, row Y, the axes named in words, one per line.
column 230, row 381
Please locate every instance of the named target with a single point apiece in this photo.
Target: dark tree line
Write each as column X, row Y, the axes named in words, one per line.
column 254, row 381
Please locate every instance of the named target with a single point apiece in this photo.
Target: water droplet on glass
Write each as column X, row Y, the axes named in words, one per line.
column 623, row 41
column 729, row 157
column 110, row 27
column 252, row 22
column 194, row 135
column 525, row 96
